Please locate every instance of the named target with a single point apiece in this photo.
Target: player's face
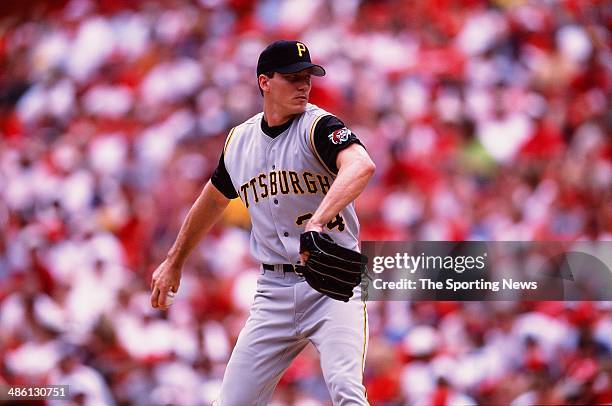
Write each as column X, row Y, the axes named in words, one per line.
column 291, row 90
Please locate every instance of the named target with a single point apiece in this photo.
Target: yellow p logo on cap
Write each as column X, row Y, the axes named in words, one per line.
column 301, row 48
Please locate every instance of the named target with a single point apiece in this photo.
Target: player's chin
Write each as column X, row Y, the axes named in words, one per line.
column 299, row 105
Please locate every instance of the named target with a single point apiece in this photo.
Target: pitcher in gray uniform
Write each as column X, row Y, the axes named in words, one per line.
column 296, row 168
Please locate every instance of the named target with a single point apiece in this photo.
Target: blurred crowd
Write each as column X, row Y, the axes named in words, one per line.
column 486, row 119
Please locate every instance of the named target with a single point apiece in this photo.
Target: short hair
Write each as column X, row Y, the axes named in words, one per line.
column 266, row 74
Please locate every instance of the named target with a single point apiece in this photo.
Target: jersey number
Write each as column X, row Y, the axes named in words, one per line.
column 338, row 221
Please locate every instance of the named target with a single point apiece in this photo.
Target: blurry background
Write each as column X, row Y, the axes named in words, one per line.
column 486, row 119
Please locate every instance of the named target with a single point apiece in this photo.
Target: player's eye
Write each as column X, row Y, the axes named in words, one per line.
column 297, row 78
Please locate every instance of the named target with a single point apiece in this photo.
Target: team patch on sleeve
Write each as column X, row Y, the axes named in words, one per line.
column 330, row 136
column 339, row 136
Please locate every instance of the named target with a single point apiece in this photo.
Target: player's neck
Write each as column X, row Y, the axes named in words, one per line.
column 276, row 120
column 275, row 117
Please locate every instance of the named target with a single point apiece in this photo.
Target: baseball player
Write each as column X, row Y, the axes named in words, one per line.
column 297, row 169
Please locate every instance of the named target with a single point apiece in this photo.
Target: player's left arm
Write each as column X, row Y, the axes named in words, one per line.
column 355, row 168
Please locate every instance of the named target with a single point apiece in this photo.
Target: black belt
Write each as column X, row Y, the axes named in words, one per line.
column 286, row 267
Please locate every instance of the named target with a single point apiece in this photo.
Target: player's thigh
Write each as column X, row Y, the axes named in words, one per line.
column 341, row 340
column 332, row 323
column 266, row 346
column 342, row 336
column 251, row 375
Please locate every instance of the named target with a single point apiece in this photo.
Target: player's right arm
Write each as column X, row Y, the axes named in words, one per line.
column 206, row 210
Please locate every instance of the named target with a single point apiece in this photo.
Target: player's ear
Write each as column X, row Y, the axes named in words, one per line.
column 264, row 84
column 264, row 81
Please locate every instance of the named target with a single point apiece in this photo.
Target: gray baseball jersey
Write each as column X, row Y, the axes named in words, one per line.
column 283, row 179
column 282, row 174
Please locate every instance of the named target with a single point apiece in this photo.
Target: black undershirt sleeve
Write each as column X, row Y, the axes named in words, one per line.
column 221, row 180
column 330, row 137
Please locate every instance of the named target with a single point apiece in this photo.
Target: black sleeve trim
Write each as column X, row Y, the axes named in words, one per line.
column 330, row 137
column 221, row 180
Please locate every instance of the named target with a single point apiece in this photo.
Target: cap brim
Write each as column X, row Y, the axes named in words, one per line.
column 300, row 66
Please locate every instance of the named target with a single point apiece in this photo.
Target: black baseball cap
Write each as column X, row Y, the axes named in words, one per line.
column 286, row 57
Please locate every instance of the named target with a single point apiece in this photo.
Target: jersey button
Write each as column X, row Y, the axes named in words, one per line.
column 286, row 234
column 275, row 201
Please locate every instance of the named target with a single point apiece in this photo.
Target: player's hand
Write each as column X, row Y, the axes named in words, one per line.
column 167, row 277
column 310, row 226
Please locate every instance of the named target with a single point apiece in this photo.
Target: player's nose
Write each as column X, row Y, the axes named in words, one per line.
column 303, row 84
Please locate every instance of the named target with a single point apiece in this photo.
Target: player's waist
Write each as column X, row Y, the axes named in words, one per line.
column 279, row 267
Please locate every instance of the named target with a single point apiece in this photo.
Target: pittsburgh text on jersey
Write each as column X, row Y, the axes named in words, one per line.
column 265, row 185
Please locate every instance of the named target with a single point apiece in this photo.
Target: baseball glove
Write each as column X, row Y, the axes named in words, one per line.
column 331, row 269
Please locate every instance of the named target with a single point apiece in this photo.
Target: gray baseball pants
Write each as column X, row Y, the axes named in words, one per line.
column 285, row 316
